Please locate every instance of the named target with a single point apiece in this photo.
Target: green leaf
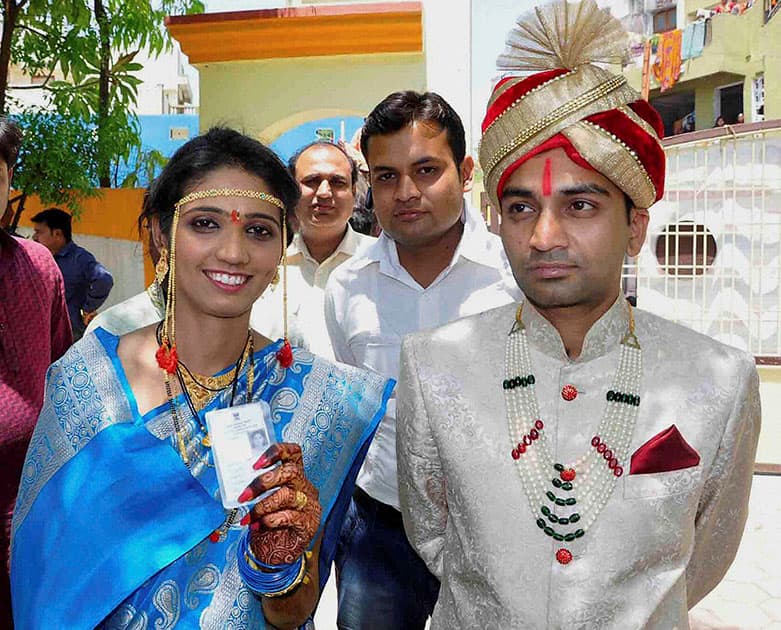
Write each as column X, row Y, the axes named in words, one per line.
column 65, row 34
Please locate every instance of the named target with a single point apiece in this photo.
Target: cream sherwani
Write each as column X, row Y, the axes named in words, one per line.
column 662, row 541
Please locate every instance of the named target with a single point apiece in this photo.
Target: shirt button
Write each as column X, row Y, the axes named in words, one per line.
column 569, row 392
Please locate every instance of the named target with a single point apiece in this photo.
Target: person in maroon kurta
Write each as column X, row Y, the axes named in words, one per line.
column 34, row 332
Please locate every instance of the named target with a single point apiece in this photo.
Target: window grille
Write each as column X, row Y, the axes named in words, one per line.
column 712, row 257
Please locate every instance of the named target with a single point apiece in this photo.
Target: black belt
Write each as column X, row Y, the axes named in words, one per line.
column 384, row 511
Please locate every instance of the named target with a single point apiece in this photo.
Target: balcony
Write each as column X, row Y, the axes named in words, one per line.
column 652, row 6
column 182, row 109
column 735, row 46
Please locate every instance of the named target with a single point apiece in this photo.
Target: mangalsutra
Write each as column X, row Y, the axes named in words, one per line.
column 562, row 507
column 198, row 390
column 246, row 358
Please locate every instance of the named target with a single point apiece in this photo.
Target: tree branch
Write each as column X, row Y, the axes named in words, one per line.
column 34, row 31
column 37, row 85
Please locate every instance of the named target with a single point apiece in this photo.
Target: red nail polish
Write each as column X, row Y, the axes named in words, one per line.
column 261, row 463
column 245, row 496
column 244, row 520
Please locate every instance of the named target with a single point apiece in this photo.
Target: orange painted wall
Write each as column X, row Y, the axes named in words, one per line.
column 114, row 214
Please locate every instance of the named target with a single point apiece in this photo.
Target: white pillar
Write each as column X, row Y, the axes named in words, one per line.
column 447, row 29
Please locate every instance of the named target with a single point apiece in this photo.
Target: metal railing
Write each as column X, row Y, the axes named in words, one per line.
column 712, row 259
column 182, row 109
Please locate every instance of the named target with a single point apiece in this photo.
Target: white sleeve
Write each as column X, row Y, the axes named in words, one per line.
column 335, row 305
column 422, row 489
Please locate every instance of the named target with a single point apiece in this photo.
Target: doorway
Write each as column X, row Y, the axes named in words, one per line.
column 677, row 112
column 729, row 102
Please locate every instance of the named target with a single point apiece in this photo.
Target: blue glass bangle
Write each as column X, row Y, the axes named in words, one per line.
column 276, row 580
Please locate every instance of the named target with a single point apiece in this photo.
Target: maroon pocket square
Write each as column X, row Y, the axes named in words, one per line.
column 664, row 452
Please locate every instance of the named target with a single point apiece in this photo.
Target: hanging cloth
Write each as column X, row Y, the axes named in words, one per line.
column 693, row 40
column 667, row 67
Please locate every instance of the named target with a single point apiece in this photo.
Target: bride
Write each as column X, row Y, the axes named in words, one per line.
column 118, row 521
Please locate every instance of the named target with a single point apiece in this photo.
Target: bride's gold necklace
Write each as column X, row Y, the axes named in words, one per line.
column 201, row 388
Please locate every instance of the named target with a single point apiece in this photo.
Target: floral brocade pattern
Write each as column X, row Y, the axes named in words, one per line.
column 325, row 407
column 74, row 386
column 662, row 541
column 312, row 403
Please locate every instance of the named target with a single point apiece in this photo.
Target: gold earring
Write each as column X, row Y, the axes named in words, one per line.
column 161, row 268
column 275, row 279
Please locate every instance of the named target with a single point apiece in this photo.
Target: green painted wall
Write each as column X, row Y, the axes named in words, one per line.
column 704, row 90
column 274, row 95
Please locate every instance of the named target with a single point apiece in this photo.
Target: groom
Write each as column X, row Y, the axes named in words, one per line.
column 571, row 461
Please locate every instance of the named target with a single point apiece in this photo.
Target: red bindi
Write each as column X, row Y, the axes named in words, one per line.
column 235, row 217
column 546, row 178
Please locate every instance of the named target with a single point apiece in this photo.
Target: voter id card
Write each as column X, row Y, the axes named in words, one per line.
column 239, row 436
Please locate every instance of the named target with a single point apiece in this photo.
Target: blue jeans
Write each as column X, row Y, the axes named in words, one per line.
column 382, row 583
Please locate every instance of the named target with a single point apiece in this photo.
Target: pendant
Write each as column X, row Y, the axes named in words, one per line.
column 219, row 534
column 564, row 556
column 206, row 441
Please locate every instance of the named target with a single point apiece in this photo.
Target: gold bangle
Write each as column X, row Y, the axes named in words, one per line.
column 301, row 577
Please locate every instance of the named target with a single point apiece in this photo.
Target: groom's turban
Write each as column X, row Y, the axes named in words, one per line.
column 591, row 113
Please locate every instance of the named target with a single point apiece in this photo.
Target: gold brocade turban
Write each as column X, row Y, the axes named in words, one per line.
column 571, row 103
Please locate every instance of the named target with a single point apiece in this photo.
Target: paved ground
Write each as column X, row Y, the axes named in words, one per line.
column 749, row 597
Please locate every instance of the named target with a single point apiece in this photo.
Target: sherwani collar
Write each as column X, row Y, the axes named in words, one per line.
column 602, row 337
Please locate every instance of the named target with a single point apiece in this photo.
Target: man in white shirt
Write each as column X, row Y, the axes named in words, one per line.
column 434, row 262
column 327, row 176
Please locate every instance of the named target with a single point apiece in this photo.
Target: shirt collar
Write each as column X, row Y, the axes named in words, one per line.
column 8, row 245
column 348, row 246
column 606, row 333
column 7, row 240
column 67, row 249
column 476, row 244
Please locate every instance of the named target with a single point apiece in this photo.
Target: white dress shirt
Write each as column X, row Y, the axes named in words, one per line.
column 371, row 302
column 306, row 280
column 143, row 309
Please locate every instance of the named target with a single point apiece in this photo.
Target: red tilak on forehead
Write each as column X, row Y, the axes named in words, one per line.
column 546, row 178
column 235, row 217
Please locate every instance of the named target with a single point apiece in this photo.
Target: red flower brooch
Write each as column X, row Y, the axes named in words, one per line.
column 285, row 355
column 166, row 357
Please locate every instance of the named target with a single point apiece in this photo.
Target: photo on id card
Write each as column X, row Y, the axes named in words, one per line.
column 239, row 436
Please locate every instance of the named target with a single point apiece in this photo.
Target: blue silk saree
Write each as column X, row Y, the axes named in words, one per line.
column 111, row 529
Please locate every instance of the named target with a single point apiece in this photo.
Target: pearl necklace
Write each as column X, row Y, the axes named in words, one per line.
column 548, row 484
